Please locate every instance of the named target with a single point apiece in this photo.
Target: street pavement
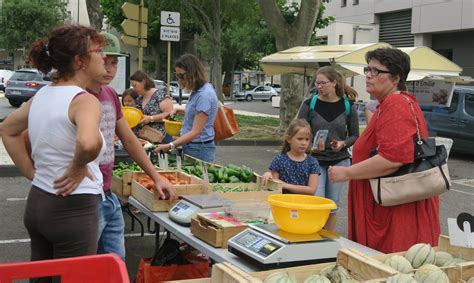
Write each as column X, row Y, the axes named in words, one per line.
column 14, row 242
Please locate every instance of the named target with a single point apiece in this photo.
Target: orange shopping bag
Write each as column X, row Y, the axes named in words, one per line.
column 225, row 125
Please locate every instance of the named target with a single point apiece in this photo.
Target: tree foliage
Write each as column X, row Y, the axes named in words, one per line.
column 24, row 21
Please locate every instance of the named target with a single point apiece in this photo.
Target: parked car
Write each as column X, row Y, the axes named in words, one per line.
column 23, row 85
column 456, row 121
column 360, row 110
column 262, row 93
column 175, row 94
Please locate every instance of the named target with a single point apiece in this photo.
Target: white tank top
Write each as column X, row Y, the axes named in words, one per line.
column 53, row 140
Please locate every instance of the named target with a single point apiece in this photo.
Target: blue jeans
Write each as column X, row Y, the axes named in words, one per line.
column 167, row 139
column 203, row 151
column 111, row 227
column 333, row 191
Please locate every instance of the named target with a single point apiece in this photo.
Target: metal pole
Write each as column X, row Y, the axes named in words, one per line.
column 78, row 1
column 168, row 74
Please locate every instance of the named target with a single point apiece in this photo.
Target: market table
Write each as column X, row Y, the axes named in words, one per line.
column 219, row 254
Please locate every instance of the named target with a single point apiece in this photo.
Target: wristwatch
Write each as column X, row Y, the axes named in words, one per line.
column 172, row 146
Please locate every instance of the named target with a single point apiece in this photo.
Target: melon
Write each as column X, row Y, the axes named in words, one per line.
column 336, row 274
column 315, row 278
column 399, row 263
column 471, row 280
column 401, row 278
column 442, row 258
column 420, row 254
column 280, row 277
column 430, row 273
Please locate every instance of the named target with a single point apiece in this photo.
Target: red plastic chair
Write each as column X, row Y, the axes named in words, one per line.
column 96, row 268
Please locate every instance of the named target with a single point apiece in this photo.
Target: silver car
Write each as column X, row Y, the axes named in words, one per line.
column 23, row 84
column 262, row 93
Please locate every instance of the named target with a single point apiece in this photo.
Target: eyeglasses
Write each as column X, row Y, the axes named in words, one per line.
column 323, row 83
column 374, row 71
column 180, row 76
column 98, row 50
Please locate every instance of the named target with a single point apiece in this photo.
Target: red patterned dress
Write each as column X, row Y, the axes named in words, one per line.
column 391, row 229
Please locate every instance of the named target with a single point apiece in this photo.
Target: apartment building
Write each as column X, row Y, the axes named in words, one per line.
column 446, row 26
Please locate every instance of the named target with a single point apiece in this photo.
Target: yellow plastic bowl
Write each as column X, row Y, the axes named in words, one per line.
column 300, row 214
column 132, row 115
column 173, row 127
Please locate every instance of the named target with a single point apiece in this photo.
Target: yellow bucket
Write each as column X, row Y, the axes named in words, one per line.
column 300, row 214
column 132, row 115
column 173, row 128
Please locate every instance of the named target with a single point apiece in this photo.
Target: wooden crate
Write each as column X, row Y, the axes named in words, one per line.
column 152, row 201
column 123, row 186
column 215, row 232
column 459, row 273
column 258, row 192
column 223, row 273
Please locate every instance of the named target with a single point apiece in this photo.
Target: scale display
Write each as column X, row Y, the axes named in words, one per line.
column 257, row 244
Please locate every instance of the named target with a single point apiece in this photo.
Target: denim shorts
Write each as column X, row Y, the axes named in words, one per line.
column 330, row 190
column 111, row 227
column 203, row 151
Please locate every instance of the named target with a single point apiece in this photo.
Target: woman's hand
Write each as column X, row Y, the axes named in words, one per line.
column 146, row 120
column 338, row 173
column 164, row 185
column 71, row 179
column 162, row 148
column 336, row 145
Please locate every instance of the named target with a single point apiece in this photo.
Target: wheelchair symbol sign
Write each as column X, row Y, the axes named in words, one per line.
column 168, row 18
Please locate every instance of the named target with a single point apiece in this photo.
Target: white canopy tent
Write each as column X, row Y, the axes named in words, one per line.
column 350, row 60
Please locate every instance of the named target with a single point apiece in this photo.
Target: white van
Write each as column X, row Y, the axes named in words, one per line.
column 4, row 77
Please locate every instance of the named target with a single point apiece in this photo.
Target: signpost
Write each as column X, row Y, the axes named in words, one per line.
column 135, row 27
column 169, row 31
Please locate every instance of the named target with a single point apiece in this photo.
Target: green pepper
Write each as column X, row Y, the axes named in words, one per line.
column 212, row 169
column 235, row 167
column 212, row 178
column 233, row 172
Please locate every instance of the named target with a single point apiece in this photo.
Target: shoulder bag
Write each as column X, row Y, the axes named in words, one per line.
column 426, row 177
column 225, row 125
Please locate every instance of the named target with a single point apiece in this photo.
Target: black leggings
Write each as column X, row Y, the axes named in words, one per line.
column 61, row 227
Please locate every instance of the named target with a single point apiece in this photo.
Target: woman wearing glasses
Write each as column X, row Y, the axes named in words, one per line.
column 155, row 104
column 391, row 131
column 62, row 211
column 197, row 133
column 333, row 114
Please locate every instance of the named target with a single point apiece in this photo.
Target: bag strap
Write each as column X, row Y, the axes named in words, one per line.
column 312, row 105
column 418, row 135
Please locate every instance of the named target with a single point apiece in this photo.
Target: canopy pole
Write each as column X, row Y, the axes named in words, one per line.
column 304, row 79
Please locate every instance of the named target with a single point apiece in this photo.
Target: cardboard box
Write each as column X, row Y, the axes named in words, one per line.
column 152, row 201
column 257, row 191
column 215, row 230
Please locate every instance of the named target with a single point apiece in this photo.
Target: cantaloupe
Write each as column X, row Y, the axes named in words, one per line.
column 430, row 273
column 336, row 274
column 401, row 278
column 471, row 280
column 420, row 254
column 280, row 277
column 315, row 278
column 442, row 258
column 399, row 263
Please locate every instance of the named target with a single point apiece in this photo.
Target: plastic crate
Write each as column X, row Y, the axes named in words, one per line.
column 96, row 268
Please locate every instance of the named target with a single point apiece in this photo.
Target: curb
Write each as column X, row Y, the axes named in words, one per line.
column 122, row 156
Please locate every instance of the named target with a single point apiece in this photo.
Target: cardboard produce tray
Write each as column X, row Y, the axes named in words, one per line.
column 152, row 201
column 214, row 230
column 256, row 190
column 458, row 273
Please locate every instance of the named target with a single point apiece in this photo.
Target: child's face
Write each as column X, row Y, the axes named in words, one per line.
column 128, row 101
column 299, row 143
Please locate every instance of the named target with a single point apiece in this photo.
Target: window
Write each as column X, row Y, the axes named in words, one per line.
column 343, row 3
column 355, row 2
column 470, row 104
column 454, row 102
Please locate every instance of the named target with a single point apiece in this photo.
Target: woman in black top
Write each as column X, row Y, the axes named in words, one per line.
column 334, row 114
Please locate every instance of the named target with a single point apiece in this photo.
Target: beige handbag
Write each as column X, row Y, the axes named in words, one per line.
column 426, row 177
column 151, row 134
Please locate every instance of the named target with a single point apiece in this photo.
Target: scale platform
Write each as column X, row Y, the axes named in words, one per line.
column 269, row 247
column 190, row 205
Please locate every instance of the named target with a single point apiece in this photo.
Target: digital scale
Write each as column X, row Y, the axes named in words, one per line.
column 190, row 205
column 269, row 247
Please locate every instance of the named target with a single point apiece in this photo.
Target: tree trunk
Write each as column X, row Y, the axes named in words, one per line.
column 289, row 35
column 96, row 16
